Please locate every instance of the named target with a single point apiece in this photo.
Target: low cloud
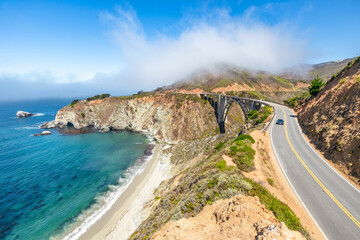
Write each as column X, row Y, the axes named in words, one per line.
column 201, row 43
column 204, row 43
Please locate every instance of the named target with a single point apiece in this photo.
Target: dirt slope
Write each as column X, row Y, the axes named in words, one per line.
column 240, row 217
column 332, row 119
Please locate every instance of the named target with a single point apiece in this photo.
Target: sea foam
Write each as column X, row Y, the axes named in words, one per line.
column 104, row 202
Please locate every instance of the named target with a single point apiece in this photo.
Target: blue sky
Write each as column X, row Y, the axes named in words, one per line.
column 88, row 45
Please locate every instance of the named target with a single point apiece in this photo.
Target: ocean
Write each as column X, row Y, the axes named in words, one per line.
column 55, row 186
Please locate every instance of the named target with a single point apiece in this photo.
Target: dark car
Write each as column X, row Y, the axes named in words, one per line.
column 280, row 122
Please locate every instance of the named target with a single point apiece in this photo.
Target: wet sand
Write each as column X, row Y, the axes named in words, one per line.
column 111, row 224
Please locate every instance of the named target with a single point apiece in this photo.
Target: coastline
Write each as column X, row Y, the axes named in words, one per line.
column 127, row 213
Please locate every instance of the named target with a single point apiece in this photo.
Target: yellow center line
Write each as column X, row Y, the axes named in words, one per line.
column 317, row 180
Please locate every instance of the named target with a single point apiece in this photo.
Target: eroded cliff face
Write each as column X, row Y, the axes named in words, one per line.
column 239, row 217
column 168, row 117
column 332, row 119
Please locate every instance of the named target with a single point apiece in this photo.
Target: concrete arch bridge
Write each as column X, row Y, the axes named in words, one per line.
column 222, row 103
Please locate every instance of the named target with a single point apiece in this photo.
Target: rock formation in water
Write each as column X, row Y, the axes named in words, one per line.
column 42, row 133
column 22, row 114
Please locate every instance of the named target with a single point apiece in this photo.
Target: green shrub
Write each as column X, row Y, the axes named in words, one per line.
column 262, row 119
column 296, row 101
column 221, row 165
column 245, row 162
column 316, row 85
column 74, row 102
column 220, row 146
column 102, row 96
column 245, row 136
column 281, row 211
column 83, row 115
column 253, row 114
column 270, row 181
column 233, row 150
column 212, row 183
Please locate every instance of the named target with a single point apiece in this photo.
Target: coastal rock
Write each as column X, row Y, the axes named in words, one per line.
column 43, row 133
column 239, row 217
column 48, row 125
column 22, row 114
column 167, row 117
column 104, row 129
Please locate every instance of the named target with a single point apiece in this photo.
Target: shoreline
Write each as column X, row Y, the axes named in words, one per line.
column 109, row 225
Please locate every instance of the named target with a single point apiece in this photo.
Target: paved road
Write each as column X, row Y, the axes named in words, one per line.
column 332, row 202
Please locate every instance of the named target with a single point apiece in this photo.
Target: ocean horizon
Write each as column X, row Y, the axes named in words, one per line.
column 51, row 186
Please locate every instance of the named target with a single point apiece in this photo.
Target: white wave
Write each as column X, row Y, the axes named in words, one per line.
column 38, row 114
column 27, row 128
column 103, row 203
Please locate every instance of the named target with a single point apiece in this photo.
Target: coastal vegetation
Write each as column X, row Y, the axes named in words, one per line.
column 257, row 117
column 296, row 101
column 102, row 96
column 316, row 85
column 209, row 180
column 74, row 102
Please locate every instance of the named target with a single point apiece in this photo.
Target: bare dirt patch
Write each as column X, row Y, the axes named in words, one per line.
column 233, row 87
column 228, row 160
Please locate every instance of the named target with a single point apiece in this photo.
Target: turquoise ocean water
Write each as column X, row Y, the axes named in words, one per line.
column 56, row 183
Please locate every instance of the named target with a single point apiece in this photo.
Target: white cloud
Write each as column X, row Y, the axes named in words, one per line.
column 235, row 41
column 147, row 63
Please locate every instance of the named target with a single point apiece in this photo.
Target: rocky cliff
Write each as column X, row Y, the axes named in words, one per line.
column 239, row 217
column 168, row 117
column 332, row 118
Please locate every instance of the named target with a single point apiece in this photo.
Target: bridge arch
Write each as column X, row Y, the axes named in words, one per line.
column 222, row 104
column 228, row 106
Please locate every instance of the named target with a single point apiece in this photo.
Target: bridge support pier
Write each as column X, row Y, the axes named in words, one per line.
column 222, row 103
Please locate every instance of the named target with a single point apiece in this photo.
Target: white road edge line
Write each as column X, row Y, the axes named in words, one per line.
column 298, row 127
column 277, row 158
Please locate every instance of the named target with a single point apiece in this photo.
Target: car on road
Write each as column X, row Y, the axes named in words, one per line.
column 280, row 121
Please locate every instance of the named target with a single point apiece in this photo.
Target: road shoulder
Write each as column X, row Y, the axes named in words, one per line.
column 267, row 167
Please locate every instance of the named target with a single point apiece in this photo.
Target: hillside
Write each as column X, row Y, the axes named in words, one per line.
column 324, row 70
column 229, row 219
column 332, row 118
column 235, row 81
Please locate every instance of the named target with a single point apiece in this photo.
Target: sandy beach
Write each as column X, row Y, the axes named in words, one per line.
column 127, row 213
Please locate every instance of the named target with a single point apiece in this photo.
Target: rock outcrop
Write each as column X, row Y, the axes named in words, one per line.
column 22, row 114
column 168, row 117
column 332, row 119
column 240, row 217
column 43, row 133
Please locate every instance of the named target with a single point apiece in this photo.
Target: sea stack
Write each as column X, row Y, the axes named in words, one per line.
column 43, row 133
column 22, row 114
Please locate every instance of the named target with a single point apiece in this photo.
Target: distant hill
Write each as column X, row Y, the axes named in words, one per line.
column 261, row 85
column 236, row 81
column 325, row 70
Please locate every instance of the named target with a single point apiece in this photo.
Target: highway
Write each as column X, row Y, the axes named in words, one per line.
column 332, row 201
